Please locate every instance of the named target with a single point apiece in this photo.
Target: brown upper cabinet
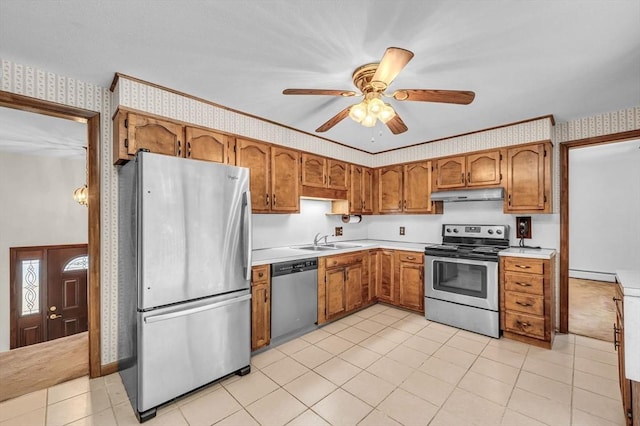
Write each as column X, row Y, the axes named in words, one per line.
column 406, row 188
column 361, row 191
column 133, row 131
column 274, row 176
column 529, row 179
column 478, row 169
column 322, row 172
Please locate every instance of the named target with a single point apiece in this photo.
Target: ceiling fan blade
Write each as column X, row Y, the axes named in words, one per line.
column 345, row 93
column 393, row 61
column 396, row 125
column 462, row 97
column 334, row 120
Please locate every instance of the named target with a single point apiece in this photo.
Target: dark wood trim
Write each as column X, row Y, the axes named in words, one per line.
column 564, row 212
column 92, row 118
column 549, row 116
column 110, row 368
column 157, row 86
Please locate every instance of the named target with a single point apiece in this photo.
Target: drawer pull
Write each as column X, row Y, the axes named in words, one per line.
column 523, row 303
column 411, row 258
column 616, row 299
column 523, row 284
column 616, row 342
column 523, row 266
column 523, row 323
column 260, row 274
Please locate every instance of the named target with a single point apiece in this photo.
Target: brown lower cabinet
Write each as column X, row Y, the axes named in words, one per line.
column 343, row 284
column 400, row 278
column 260, row 306
column 629, row 390
column 527, row 300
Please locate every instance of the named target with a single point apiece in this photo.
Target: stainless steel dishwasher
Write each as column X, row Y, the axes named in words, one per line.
column 294, row 298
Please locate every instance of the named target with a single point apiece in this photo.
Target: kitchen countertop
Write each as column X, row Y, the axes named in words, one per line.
column 541, row 253
column 630, row 282
column 283, row 254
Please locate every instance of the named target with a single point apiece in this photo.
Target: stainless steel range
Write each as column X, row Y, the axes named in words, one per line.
column 461, row 285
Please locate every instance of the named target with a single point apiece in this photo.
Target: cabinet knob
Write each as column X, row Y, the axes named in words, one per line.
column 523, row 323
column 260, row 274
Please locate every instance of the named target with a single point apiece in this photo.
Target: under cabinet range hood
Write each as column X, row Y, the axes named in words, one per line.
column 481, row 194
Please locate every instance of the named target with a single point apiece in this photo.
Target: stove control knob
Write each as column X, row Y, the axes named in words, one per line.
column 449, row 230
column 490, row 231
column 498, row 231
column 455, row 230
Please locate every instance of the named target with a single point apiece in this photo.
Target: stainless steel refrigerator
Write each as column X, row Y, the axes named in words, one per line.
column 184, row 308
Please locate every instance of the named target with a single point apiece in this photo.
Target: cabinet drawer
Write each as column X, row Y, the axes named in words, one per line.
column 524, row 283
column 410, row 256
column 523, row 302
column 260, row 273
column 345, row 259
column 525, row 324
column 524, row 265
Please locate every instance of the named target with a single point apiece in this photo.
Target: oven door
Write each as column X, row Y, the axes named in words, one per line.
column 464, row 281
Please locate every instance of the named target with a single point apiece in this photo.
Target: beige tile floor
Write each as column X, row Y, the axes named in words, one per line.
column 380, row 366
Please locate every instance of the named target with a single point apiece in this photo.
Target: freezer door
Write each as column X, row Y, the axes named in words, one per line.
column 183, row 347
column 194, row 229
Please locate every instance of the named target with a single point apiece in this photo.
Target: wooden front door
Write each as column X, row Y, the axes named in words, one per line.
column 48, row 293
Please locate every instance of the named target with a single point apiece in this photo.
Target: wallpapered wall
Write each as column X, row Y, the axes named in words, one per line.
column 45, row 85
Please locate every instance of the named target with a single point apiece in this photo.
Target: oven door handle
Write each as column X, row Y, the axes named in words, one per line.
column 430, row 259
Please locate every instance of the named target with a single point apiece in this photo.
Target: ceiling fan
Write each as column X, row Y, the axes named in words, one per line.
column 372, row 80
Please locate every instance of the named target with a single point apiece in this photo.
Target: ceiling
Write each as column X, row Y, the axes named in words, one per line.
column 523, row 59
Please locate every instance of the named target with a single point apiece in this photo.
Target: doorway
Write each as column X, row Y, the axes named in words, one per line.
column 565, row 288
column 48, row 293
column 18, row 365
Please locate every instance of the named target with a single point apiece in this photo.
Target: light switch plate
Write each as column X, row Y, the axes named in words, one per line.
column 402, row 230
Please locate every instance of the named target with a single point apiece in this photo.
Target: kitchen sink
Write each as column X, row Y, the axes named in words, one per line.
column 324, row 247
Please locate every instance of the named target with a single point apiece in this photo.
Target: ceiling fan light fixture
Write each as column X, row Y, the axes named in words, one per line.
column 386, row 114
column 358, row 112
column 375, row 106
column 368, row 121
column 81, row 195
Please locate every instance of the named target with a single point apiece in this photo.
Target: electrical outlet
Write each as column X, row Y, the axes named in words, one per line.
column 523, row 226
column 338, row 232
column 402, row 230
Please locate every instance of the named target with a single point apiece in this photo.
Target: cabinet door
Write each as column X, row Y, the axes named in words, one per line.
column 484, row 169
column 353, row 286
column 285, row 172
column 390, row 190
column 355, row 192
column 159, row 136
column 526, row 178
column 206, row 145
column 335, row 292
column 255, row 156
column 450, row 172
column 314, row 170
column 260, row 315
column 338, row 174
column 417, row 188
column 411, row 286
column 386, row 277
column 367, row 190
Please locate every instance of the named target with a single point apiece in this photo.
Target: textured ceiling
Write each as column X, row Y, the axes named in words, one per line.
column 523, row 59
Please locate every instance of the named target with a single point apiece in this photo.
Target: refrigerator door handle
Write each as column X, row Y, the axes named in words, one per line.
column 163, row 317
column 246, row 232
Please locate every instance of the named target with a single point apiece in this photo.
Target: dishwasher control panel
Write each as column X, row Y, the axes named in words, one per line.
column 294, row 266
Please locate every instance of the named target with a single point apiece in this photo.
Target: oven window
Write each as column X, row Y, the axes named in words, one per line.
column 460, row 278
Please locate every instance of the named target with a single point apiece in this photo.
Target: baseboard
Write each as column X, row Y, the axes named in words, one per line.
column 592, row 275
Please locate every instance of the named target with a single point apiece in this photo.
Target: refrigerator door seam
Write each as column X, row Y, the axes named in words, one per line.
column 163, row 317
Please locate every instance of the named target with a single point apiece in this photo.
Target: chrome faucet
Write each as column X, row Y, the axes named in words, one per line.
column 317, row 239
